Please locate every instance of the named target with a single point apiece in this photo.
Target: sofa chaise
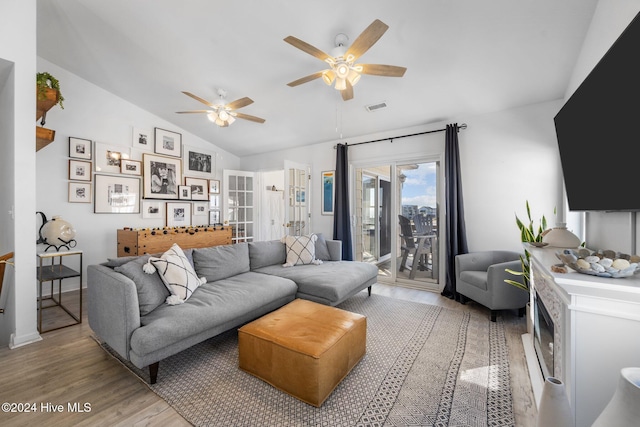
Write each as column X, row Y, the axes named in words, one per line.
column 127, row 307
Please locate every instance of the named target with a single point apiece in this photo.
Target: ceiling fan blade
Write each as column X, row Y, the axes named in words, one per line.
column 248, row 117
column 367, row 38
column 306, row 47
column 239, row 103
column 197, row 98
column 347, row 93
column 383, row 70
column 306, row 79
column 194, row 111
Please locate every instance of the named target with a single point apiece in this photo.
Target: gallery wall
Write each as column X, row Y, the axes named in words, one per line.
column 99, row 116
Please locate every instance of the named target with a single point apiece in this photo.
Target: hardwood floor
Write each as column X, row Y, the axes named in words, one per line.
column 69, row 368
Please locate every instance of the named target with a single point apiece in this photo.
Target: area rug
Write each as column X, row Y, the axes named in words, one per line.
column 425, row 366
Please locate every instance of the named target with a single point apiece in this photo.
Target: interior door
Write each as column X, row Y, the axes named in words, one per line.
column 238, row 204
column 297, row 212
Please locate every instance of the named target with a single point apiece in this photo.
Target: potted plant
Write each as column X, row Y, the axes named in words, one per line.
column 45, row 81
column 533, row 235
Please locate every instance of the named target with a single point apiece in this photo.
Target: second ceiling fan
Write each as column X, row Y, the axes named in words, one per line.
column 343, row 71
column 223, row 114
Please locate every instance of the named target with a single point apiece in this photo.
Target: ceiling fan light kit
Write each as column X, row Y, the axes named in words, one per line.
column 223, row 114
column 344, row 73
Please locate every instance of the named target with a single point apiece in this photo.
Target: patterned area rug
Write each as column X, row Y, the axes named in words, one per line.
column 425, row 366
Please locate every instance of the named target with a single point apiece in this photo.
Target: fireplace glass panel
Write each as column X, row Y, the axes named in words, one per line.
column 543, row 337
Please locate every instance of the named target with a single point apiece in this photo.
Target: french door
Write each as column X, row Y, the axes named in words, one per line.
column 238, row 207
column 297, row 210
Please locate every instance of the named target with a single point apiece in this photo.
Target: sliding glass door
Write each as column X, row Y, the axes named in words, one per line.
column 397, row 216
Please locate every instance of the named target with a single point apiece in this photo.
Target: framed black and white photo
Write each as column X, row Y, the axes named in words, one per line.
column 214, row 217
column 200, row 209
column 142, row 139
column 152, row 209
column 161, row 175
column 199, row 188
column 108, row 157
column 198, row 162
column 167, row 143
column 184, row 192
column 79, row 192
column 214, row 186
column 116, row 194
column 79, row 170
column 79, row 148
column 130, row 167
column 178, row 214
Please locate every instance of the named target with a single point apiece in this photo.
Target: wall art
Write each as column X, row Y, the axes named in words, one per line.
column 130, row 167
column 161, row 175
column 79, row 192
column 152, row 209
column 178, row 214
column 198, row 162
column 116, row 194
column 328, row 192
column 199, row 188
column 79, row 148
column 167, row 143
column 142, row 139
column 214, row 186
column 108, row 157
column 79, row 170
column 184, row 192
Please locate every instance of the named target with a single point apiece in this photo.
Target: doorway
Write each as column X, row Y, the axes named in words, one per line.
column 397, row 216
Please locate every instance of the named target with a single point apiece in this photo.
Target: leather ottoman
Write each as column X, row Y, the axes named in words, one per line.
column 304, row 348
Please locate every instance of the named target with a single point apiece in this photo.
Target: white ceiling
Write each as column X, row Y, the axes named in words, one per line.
column 462, row 57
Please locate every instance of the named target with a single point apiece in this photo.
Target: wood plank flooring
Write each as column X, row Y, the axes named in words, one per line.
column 68, row 368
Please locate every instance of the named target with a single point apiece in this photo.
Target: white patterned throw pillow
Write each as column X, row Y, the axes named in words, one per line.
column 300, row 250
column 177, row 274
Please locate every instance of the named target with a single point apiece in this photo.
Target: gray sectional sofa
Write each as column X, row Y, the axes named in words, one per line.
column 127, row 307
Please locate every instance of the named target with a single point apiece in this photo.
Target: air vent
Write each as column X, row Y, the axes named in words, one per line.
column 375, row 107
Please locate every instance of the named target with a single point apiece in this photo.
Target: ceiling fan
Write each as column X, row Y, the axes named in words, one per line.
column 223, row 114
column 343, row 69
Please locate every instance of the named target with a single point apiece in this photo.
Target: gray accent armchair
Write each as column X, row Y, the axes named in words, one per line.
column 480, row 277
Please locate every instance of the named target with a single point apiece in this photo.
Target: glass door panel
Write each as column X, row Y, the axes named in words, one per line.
column 298, row 211
column 238, row 204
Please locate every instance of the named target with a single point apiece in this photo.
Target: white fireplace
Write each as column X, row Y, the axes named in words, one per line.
column 595, row 333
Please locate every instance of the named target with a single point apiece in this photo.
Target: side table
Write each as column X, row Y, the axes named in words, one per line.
column 50, row 269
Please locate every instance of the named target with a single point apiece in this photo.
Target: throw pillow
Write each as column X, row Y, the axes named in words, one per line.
column 322, row 250
column 301, row 250
column 152, row 292
column 177, row 274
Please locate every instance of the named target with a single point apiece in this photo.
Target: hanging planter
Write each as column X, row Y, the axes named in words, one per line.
column 46, row 84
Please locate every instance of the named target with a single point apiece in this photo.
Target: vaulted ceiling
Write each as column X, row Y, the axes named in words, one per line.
column 462, row 57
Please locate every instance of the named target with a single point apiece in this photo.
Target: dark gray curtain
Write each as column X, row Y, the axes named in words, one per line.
column 341, row 214
column 455, row 230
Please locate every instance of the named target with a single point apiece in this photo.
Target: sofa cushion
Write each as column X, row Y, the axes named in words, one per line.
column 475, row 278
column 300, row 250
column 271, row 252
column 322, row 250
column 151, row 290
column 117, row 262
column 216, row 306
column 220, row 262
column 177, row 273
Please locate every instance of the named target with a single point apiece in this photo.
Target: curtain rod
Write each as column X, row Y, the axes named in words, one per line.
column 462, row 126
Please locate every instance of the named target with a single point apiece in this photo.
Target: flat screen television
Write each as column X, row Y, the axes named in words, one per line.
column 598, row 131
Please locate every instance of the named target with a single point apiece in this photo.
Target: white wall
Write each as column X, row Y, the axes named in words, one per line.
column 17, row 141
column 92, row 113
column 507, row 158
column 616, row 230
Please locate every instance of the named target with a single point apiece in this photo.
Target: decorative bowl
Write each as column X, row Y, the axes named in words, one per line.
column 602, row 263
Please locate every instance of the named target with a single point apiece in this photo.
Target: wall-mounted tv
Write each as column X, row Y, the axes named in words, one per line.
column 598, row 131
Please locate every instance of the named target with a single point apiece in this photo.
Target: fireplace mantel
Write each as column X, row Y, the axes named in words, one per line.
column 597, row 331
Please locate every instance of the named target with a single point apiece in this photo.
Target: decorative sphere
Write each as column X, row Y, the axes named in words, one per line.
column 57, row 231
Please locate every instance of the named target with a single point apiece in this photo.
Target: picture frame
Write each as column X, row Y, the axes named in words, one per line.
column 116, row 194
column 130, row 167
column 161, row 176
column 107, row 157
column 214, row 201
column 152, row 209
column 184, row 192
column 79, row 170
column 142, row 139
column 200, row 209
column 199, row 188
column 79, row 192
column 214, row 186
column 167, row 143
column 328, row 191
column 198, row 162
column 214, row 217
column 80, row 148
column 178, row 214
